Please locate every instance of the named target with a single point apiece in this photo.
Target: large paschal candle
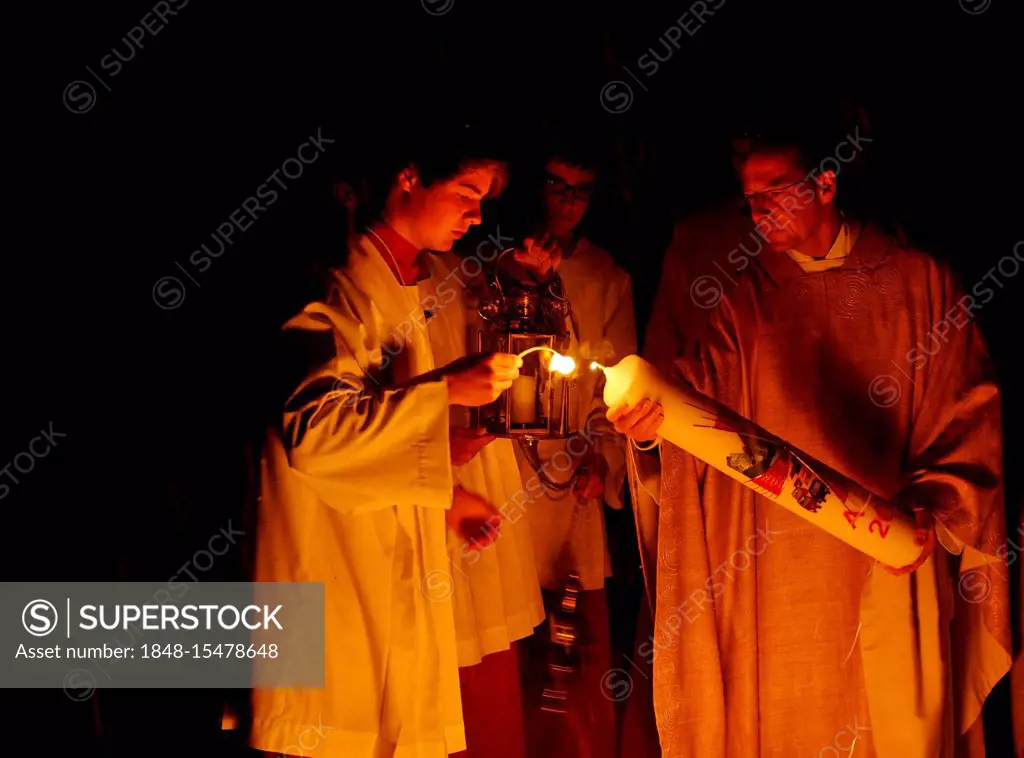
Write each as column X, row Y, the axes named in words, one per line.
column 764, row 463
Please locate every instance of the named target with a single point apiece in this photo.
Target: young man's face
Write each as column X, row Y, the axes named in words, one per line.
column 443, row 212
column 786, row 204
column 567, row 194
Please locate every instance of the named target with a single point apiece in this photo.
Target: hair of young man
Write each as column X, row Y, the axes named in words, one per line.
column 577, row 152
column 434, row 169
column 448, row 150
column 436, row 156
column 576, row 158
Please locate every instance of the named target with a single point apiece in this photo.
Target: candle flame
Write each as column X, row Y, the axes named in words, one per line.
column 562, row 364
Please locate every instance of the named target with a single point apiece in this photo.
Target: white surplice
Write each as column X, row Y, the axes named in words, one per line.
column 354, row 490
column 601, row 295
column 496, row 592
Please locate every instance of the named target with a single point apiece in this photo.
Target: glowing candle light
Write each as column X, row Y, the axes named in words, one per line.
column 744, row 451
column 562, row 364
column 524, row 388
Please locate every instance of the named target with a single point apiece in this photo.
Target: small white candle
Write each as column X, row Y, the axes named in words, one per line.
column 524, row 400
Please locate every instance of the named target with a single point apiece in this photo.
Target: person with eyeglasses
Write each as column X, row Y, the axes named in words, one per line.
column 771, row 636
column 569, row 530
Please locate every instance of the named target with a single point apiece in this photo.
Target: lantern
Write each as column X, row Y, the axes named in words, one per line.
column 529, row 320
column 533, row 321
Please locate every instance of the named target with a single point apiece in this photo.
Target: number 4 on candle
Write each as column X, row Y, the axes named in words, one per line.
column 852, row 517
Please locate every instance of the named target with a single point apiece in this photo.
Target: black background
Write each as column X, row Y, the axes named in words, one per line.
column 157, row 404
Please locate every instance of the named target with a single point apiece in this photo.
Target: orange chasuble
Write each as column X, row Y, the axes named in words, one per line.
column 772, row 638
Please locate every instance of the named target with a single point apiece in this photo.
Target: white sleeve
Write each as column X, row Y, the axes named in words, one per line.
column 359, row 446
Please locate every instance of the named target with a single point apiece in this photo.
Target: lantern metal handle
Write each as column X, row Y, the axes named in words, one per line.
column 497, row 279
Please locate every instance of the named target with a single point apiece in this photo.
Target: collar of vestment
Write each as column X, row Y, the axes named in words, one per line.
column 369, row 270
column 835, row 258
column 401, row 248
column 869, row 247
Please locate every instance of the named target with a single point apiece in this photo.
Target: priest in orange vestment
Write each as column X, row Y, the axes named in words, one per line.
column 771, row 637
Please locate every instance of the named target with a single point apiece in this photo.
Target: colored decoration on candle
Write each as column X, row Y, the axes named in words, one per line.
column 766, row 464
column 524, row 399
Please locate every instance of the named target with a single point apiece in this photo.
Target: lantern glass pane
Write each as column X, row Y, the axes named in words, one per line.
column 528, row 399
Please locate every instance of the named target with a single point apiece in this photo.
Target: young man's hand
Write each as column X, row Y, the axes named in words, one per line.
column 478, row 379
column 640, row 423
column 474, row 519
column 466, row 443
column 589, row 476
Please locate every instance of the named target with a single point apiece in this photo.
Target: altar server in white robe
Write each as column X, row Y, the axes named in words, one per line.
column 568, row 536
column 357, row 487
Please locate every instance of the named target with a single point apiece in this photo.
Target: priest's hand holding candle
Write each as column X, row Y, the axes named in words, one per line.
column 924, row 536
column 640, row 422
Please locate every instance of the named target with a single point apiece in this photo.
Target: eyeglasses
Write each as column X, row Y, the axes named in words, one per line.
column 555, row 185
column 772, row 196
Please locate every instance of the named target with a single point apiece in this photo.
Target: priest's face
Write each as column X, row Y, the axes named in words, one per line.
column 441, row 213
column 567, row 194
column 787, row 205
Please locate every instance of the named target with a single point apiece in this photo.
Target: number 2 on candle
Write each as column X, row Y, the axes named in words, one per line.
column 885, row 513
column 883, row 529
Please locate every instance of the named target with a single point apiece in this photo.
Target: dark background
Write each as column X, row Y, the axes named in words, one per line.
column 157, row 404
